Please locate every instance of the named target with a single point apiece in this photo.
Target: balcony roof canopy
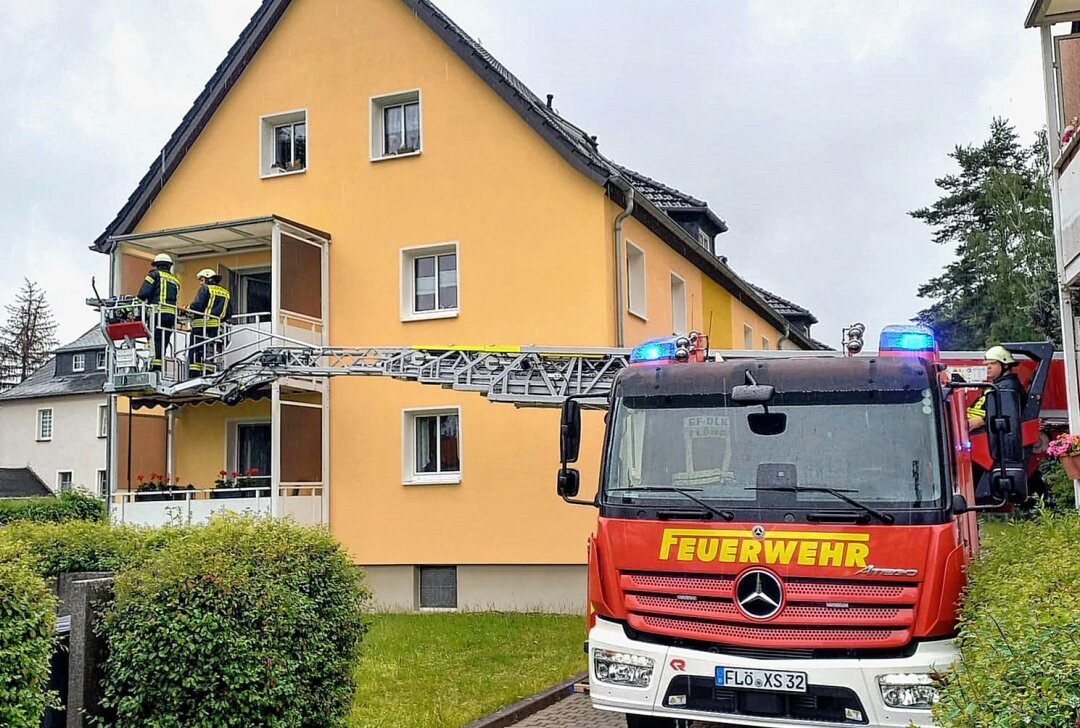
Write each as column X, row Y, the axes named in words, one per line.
column 1048, row 12
column 234, row 236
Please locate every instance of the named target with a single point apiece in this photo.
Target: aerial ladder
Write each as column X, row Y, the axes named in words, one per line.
column 246, row 357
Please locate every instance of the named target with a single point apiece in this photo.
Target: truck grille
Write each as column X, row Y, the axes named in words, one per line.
column 816, row 613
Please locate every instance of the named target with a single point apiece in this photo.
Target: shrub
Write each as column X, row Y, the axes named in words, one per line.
column 64, row 507
column 242, row 622
column 57, row 548
column 1059, row 486
column 1019, row 646
column 27, row 627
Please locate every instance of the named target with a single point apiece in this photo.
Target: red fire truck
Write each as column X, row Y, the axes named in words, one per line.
column 782, row 540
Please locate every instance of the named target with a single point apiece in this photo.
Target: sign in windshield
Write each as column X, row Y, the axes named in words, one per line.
column 876, row 447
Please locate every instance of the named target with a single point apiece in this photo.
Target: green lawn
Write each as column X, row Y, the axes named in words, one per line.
column 444, row 670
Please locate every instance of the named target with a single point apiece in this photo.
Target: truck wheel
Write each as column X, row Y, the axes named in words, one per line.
column 649, row 721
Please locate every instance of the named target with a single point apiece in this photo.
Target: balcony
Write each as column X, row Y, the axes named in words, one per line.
column 172, row 419
column 299, row 502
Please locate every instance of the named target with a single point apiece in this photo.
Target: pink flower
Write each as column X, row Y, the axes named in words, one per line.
column 142, row 478
column 1064, row 444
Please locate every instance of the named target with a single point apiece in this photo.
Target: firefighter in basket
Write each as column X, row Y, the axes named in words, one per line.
column 161, row 289
column 211, row 308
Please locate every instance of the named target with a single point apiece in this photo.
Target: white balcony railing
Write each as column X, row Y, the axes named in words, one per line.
column 302, row 502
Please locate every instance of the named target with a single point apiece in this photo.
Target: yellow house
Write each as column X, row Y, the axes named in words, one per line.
column 364, row 173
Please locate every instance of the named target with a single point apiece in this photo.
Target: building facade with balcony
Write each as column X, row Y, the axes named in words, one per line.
column 1058, row 22
column 365, row 173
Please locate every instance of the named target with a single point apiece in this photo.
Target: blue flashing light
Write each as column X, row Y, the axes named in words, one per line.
column 654, row 350
column 907, row 338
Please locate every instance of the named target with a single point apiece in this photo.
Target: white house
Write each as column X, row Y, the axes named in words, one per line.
column 57, row 420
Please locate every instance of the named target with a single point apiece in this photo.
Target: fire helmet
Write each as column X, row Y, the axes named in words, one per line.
column 999, row 354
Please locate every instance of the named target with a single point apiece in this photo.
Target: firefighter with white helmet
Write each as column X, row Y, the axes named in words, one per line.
column 1000, row 364
column 161, row 289
column 212, row 307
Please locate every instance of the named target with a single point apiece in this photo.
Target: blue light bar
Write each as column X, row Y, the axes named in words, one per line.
column 654, row 350
column 907, row 338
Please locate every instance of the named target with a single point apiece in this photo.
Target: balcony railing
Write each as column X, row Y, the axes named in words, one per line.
column 302, row 502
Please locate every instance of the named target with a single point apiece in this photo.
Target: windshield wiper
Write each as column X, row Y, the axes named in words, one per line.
column 726, row 515
column 886, row 518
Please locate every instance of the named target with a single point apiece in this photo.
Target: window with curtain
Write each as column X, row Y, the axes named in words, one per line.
column 401, row 128
column 253, row 449
column 435, row 282
column 436, row 446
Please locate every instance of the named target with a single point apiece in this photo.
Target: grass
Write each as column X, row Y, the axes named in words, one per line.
column 444, row 670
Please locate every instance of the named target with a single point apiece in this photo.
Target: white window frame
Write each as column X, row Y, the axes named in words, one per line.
column 78, row 361
column 408, row 281
column 268, row 125
column 409, row 476
column 765, row 343
column 59, row 483
column 102, row 420
column 39, row 430
column 376, row 106
column 748, row 336
column 103, row 482
column 637, row 299
column 705, row 239
column 678, row 304
column 100, row 358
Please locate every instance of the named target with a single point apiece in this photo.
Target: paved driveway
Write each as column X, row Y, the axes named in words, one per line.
column 577, row 712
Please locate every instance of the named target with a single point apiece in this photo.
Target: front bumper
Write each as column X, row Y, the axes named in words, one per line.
column 854, row 678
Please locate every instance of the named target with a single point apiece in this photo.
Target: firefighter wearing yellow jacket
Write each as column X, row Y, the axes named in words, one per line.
column 211, row 308
column 161, row 289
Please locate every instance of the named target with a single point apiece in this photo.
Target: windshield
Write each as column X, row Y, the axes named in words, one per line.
column 875, row 447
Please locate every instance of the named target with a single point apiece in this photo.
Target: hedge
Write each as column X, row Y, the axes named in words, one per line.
column 27, row 628
column 58, row 548
column 64, row 507
column 1020, row 631
column 243, row 622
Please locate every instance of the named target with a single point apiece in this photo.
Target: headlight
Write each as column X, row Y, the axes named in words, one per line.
column 908, row 690
column 622, row 668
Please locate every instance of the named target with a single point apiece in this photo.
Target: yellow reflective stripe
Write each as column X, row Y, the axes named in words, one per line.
column 486, row 349
column 148, row 279
column 978, row 408
column 205, row 323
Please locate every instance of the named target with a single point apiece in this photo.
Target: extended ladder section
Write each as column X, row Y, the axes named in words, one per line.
column 240, row 358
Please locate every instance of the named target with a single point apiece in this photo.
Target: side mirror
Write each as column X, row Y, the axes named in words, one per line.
column 569, row 483
column 570, row 432
column 959, row 504
column 1010, row 480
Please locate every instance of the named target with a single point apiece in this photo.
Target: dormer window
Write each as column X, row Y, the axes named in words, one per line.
column 704, row 239
column 78, row 362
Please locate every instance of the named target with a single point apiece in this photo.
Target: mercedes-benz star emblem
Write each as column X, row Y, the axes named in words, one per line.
column 758, row 594
column 758, row 532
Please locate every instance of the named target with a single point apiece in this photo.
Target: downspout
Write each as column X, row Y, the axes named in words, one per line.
column 628, row 193
column 786, row 335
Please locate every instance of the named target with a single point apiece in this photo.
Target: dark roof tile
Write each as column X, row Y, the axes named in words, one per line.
column 21, row 483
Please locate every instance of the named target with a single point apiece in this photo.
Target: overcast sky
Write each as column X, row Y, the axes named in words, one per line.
column 811, row 126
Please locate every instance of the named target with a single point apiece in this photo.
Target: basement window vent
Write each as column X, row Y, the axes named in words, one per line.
column 438, row 587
